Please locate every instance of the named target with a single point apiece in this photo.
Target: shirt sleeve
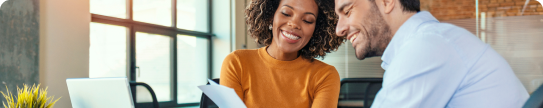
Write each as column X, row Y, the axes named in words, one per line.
column 424, row 73
column 231, row 73
column 327, row 91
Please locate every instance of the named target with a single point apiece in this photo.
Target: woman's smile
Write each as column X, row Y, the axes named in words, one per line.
column 290, row 37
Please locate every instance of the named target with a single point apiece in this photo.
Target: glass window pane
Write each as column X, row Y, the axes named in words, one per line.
column 107, row 52
column 192, row 67
column 113, row 8
column 153, row 11
column 153, row 59
column 193, row 15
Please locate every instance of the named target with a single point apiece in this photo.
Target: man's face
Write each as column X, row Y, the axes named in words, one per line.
column 362, row 24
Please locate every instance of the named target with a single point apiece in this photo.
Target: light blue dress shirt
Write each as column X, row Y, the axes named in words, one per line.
column 429, row 64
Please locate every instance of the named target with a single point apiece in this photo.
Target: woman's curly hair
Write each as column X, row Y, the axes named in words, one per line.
column 260, row 15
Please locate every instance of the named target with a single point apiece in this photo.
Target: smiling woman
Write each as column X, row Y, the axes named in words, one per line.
column 260, row 16
column 285, row 72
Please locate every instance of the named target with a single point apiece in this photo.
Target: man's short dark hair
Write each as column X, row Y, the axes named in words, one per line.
column 410, row 5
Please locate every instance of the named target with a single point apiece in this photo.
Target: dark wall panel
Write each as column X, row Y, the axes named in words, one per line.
column 19, row 44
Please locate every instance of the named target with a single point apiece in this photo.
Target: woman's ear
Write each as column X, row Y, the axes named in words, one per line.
column 270, row 26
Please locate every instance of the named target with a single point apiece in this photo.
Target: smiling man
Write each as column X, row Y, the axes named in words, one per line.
column 427, row 64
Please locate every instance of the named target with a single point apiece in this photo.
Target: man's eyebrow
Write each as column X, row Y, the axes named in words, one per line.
column 344, row 5
column 289, row 7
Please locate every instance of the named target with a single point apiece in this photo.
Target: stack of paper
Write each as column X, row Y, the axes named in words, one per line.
column 223, row 96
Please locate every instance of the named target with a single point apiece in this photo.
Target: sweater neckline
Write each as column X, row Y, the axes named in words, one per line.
column 280, row 63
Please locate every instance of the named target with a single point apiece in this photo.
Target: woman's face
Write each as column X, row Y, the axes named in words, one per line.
column 293, row 24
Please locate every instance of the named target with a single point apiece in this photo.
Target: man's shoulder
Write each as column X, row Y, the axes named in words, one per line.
column 445, row 31
column 457, row 39
column 439, row 42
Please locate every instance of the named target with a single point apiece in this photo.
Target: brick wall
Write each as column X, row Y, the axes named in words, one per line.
column 465, row 9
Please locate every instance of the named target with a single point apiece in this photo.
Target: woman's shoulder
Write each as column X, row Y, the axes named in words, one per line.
column 323, row 67
column 243, row 53
column 325, row 72
column 319, row 64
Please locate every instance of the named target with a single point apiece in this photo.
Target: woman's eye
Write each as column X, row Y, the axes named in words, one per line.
column 285, row 14
column 308, row 22
column 347, row 13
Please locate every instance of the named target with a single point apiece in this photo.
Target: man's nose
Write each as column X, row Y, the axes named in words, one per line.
column 341, row 28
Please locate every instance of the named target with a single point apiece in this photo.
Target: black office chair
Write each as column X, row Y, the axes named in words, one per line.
column 205, row 102
column 153, row 95
column 358, row 92
column 536, row 99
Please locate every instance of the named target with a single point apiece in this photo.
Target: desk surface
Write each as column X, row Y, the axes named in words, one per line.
column 351, row 103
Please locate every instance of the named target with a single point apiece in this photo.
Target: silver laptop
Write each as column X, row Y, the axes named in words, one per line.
column 100, row 93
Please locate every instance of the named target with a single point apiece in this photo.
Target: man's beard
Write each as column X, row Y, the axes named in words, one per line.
column 378, row 35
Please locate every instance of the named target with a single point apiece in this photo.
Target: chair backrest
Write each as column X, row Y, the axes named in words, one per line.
column 205, row 102
column 153, row 95
column 358, row 92
column 536, row 99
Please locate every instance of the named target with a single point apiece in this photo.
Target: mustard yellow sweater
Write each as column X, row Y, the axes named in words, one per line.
column 264, row 82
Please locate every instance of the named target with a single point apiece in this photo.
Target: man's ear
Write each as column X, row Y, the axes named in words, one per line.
column 388, row 5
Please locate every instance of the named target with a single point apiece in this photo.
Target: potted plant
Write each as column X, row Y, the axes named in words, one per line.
column 28, row 97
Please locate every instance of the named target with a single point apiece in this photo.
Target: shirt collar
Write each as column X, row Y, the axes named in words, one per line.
column 407, row 29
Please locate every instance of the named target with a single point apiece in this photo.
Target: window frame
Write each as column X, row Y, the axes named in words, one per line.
column 171, row 31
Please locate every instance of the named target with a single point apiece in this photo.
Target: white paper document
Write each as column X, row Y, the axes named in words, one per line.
column 223, row 96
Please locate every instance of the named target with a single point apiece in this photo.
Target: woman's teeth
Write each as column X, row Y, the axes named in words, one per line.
column 353, row 37
column 290, row 36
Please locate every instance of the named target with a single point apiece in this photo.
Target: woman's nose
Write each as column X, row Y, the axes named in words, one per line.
column 293, row 24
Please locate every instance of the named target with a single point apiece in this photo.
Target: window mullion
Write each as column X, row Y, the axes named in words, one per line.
column 174, row 13
column 132, row 43
column 129, row 10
